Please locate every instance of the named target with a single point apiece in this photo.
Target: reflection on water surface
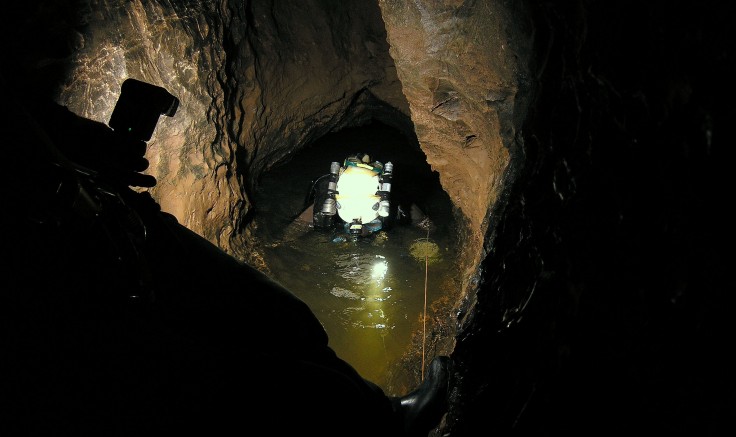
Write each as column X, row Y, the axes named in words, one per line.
column 368, row 295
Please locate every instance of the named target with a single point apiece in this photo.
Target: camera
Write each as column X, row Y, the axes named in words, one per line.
column 139, row 107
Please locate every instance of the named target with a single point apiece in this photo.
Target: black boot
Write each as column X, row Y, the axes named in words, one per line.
column 421, row 410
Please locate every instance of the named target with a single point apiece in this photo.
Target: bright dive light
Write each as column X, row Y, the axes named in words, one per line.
column 357, row 197
column 379, row 270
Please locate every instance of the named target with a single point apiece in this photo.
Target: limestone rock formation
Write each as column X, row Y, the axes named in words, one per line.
column 463, row 68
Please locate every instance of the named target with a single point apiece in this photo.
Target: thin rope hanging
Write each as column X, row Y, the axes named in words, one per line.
column 424, row 317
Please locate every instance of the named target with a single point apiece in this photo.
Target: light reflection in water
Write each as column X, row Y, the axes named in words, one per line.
column 379, row 269
column 368, row 293
column 366, row 273
column 369, row 315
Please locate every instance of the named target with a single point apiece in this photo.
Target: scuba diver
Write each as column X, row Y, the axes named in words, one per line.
column 118, row 320
column 355, row 196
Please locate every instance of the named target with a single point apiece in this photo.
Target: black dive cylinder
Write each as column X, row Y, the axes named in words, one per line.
column 325, row 202
column 384, row 205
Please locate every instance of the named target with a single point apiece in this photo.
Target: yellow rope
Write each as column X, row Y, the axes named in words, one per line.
column 424, row 318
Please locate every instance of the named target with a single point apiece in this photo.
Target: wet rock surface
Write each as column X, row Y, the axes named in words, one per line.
column 604, row 305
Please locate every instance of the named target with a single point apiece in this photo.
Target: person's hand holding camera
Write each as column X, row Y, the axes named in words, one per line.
column 116, row 157
column 115, row 152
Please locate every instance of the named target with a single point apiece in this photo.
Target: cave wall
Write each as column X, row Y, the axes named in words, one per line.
column 256, row 82
column 464, row 68
column 605, row 305
column 179, row 48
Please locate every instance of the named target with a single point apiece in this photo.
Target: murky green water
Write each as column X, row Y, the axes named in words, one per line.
column 369, row 293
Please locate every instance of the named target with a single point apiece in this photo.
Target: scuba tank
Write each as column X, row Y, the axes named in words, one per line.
column 329, row 207
column 384, row 205
column 325, row 202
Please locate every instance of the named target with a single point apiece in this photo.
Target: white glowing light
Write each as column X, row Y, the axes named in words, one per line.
column 356, row 196
column 379, row 270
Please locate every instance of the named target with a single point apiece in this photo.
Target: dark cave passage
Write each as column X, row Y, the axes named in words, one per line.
column 368, row 292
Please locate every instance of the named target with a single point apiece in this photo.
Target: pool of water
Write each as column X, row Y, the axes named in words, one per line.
column 369, row 293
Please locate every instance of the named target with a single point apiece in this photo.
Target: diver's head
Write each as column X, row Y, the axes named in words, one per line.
column 360, row 158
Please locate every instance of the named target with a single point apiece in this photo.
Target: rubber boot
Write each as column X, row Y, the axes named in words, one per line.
column 421, row 410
